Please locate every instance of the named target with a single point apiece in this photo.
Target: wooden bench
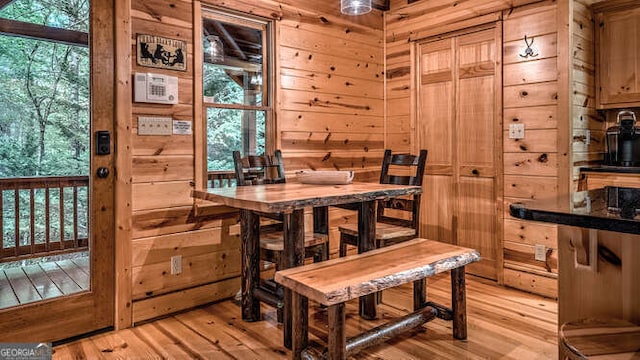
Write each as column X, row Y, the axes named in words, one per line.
column 336, row 281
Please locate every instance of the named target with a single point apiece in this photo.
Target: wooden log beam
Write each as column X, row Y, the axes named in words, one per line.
column 389, row 330
column 368, row 338
column 41, row 32
column 229, row 39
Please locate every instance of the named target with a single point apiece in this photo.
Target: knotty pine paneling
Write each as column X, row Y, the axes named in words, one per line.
column 162, row 168
column 160, row 305
column 329, row 115
column 530, row 233
column 536, row 140
column 588, row 127
column 534, row 117
column 530, row 187
column 313, row 121
column 333, row 71
column 156, row 249
column 293, row 79
column 155, row 279
column 531, row 168
column 160, row 195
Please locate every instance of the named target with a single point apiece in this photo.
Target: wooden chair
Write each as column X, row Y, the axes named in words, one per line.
column 254, row 170
column 599, row 338
column 402, row 225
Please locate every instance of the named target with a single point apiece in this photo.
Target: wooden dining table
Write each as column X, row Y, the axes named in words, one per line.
column 290, row 199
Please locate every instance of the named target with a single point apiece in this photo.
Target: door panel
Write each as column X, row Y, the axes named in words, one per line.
column 477, row 221
column 436, row 208
column 434, row 130
column 86, row 311
column 457, row 123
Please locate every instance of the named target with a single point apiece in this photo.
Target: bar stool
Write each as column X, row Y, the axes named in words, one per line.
column 599, row 338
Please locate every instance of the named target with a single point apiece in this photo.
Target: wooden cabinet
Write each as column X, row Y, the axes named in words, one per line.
column 617, row 53
column 458, row 123
column 595, row 180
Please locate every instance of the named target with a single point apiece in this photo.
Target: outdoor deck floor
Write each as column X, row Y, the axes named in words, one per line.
column 25, row 284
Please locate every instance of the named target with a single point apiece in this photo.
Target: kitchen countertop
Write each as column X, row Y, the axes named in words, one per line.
column 610, row 208
column 611, row 169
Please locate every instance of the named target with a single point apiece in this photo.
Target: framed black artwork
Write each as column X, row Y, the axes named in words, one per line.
column 160, row 52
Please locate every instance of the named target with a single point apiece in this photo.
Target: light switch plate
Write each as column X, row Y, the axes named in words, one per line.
column 516, row 131
column 148, row 125
column 541, row 252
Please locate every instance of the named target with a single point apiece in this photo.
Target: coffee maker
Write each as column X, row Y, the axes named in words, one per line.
column 623, row 141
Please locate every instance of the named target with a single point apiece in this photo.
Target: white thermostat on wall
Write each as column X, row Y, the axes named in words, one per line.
column 155, row 88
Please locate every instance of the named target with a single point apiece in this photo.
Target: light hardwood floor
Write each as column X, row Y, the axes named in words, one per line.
column 503, row 324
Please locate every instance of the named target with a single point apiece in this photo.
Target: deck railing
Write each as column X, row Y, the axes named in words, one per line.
column 42, row 216
column 218, row 179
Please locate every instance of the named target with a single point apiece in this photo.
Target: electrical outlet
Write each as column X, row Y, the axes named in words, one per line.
column 176, row 264
column 541, row 252
column 587, row 137
column 516, row 131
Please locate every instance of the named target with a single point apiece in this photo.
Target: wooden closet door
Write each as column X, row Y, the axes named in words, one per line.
column 458, row 123
column 476, row 132
column 435, row 133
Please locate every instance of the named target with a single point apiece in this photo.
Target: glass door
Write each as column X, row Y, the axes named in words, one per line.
column 56, row 202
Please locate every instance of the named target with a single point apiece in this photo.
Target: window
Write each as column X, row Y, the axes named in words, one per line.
column 44, row 62
column 237, row 95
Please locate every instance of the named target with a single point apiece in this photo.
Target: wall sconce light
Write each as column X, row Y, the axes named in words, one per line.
column 355, row 7
column 215, row 49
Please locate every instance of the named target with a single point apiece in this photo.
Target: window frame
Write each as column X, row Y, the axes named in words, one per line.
column 268, row 88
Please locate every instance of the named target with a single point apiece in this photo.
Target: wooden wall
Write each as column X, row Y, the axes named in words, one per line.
column 588, row 136
column 530, row 97
column 532, row 165
column 329, row 114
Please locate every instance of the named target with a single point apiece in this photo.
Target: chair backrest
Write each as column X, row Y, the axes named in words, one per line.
column 254, row 169
column 402, row 169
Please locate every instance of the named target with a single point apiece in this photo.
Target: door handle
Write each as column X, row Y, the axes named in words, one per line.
column 102, row 172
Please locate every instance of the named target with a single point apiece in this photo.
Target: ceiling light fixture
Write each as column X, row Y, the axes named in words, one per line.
column 355, row 7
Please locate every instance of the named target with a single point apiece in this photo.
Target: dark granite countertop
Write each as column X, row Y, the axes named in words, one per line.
column 611, row 208
column 611, row 169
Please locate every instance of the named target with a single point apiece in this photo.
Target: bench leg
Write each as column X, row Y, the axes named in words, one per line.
column 299, row 325
column 337, row 337
column 459, row 301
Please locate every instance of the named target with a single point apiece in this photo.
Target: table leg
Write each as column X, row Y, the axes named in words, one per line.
column 321, row 220
column 250, row 233
column 293, row 228
column 321, row 226
column 366, row 242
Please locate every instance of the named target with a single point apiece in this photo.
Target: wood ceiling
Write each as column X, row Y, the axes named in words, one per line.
column 377, row 4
